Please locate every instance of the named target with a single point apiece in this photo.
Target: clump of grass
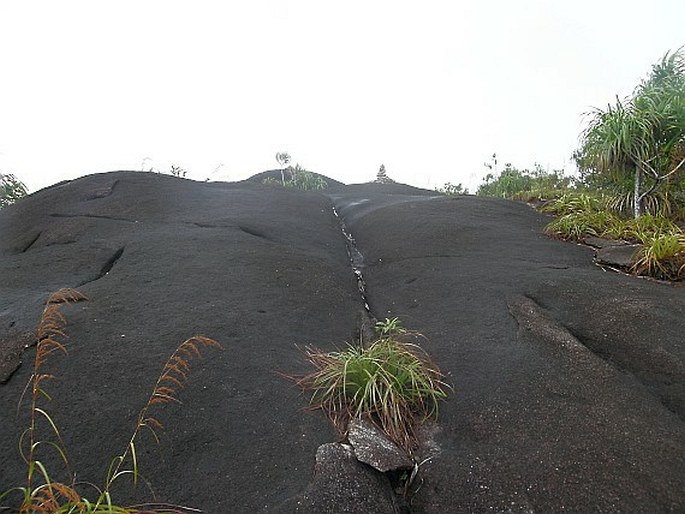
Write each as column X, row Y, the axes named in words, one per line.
column 44, row 495
column 579, row 215
column 547, row 195
column 578, row 225
column 573, row 202
column 662, row 255
column 646, row 227
column 391, row 382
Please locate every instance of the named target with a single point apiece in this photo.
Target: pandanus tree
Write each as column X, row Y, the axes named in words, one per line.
column 11, row 189
column 283, row 158
column 644, row 135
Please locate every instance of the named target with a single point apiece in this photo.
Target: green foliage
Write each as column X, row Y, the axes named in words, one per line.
column 390, row 326
column 450, row 189
column 647, row 227
column 45, row 495
column 306, row 180
column 573, row 202
column 578, row 225
column 525, row 184
column 391, row 382
column 300, row 178
column 582, row 214
column 662, row 255
column 11, row 190
column 640, row 141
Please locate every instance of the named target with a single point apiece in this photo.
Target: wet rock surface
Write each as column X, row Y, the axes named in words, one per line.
column 620, row 256
column 600, row 242
column 342, row 484
column 569, row 380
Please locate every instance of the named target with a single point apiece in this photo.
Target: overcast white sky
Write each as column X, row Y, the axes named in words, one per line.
column 429, row 88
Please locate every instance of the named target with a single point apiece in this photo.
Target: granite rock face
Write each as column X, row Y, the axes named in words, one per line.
column 569, row 380
column 342, row 484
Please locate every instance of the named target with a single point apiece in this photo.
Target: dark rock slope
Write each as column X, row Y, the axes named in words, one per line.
column 569, row 380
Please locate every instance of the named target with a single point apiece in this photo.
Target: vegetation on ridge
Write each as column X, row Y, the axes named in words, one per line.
column 11, row 190
column 632, row 165
column 298, row 177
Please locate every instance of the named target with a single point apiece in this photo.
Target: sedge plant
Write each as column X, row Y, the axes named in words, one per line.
column 389, row 326
column 391, row 382
column 662, row 251
column 42, row 494
column 662, row 255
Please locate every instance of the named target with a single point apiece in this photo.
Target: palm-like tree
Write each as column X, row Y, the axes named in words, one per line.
column 643, row 135
column 11, row 190
column 283, row 158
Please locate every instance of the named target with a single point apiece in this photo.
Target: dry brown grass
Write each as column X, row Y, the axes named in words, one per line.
column 42, row 495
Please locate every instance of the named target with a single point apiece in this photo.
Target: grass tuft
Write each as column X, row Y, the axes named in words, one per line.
column 575, row 226
column 662, row 255
column 392, row 383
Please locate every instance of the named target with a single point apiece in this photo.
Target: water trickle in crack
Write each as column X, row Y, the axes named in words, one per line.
column 396, row 478
column 356, row 260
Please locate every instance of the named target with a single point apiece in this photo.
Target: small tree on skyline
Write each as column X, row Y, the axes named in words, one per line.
column 11, row 189
column 283, row 159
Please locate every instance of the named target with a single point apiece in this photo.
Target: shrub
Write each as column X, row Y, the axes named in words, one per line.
column 513, row 183
column 42, row 494
column 450, row 189
column 299, row 179
column 306, row 180
column 11, row 190
column 392, row 383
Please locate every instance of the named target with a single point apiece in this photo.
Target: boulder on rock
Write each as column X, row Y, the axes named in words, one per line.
column 619, row 256
column 372, row 447
column 342, row 484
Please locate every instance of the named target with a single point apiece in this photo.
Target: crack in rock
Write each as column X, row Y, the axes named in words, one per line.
column 96, row 216
column 106, row 267
column 254, row 232
column 356, row 261
column 28, row 245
